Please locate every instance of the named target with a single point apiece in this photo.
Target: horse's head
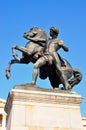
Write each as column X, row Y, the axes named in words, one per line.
column 32, row 32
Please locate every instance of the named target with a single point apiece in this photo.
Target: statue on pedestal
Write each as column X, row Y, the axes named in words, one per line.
column 41, row 50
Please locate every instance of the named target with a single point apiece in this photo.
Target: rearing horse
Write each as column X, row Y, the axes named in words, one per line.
column 34, row 50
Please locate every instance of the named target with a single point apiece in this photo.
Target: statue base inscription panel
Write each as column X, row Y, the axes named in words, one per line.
column 32, row 108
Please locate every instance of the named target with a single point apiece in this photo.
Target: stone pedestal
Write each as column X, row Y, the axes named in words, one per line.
column 33, row 108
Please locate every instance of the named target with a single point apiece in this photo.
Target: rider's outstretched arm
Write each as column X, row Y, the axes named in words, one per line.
column 65, row 48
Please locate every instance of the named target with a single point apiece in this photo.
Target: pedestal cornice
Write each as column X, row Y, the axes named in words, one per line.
column 30, row 93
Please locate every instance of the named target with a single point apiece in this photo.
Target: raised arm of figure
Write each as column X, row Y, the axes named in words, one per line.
column 65, row 48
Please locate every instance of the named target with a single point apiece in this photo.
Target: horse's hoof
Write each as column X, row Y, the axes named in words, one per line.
column 14, row 47
column 8, row 74
column 32, row 83
column 68, row 87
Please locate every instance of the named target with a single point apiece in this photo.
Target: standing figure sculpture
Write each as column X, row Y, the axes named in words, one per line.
column 53, row 45
column 42, row 52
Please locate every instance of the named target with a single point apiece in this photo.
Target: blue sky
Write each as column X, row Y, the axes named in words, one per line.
column 18, row 16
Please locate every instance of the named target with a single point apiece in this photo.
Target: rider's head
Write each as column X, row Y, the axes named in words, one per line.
column 54, row 31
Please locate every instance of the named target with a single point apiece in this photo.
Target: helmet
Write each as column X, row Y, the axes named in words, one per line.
column 55, row 29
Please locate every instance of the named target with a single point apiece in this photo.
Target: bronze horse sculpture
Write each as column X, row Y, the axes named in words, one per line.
column 33, row 50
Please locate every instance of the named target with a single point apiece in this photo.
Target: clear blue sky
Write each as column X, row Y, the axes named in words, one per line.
column 18, row 16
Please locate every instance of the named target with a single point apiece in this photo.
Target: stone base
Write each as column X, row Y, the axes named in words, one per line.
column 32, row 108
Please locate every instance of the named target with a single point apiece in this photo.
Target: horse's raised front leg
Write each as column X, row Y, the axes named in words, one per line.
column 14, row 54
column 22, row 49
column 14, row 61
column 8, row 69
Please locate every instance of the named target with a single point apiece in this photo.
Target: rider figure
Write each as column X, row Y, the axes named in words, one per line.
column 53, row 45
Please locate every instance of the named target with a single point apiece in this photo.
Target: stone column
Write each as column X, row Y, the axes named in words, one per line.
column 33, row 108
column 4, row 120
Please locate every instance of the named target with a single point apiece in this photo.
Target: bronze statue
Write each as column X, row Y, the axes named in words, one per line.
column 42, row 51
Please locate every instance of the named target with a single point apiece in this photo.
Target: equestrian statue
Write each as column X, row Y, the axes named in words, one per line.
column 41, row 50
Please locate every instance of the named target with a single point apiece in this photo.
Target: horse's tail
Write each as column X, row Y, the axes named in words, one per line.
column 77, row 77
